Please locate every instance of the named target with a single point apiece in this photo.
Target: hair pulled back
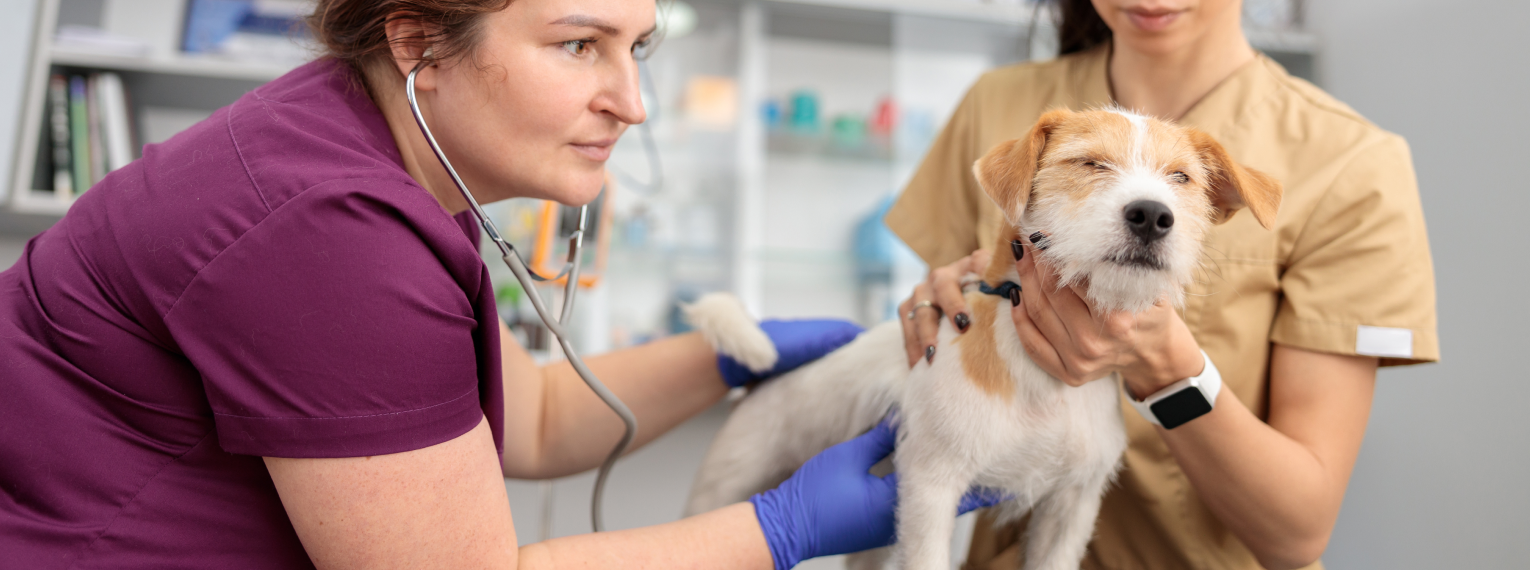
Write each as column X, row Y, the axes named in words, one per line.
column 355, row 31
column 1079, row 26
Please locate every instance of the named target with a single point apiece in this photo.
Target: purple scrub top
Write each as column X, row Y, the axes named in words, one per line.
column 270, row 282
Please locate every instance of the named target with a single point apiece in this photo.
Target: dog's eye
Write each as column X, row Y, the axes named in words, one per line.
column 1095, row 165
column 1180, row 177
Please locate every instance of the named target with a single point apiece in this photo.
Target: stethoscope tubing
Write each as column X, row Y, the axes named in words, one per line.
column 528, row 280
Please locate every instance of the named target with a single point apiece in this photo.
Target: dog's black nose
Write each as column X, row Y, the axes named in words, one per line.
column 1149, row 219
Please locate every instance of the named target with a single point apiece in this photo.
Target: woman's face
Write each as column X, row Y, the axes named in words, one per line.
column 535, row 110
column 1159, row 27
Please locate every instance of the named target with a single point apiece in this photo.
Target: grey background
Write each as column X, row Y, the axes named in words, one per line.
column 1441, row 479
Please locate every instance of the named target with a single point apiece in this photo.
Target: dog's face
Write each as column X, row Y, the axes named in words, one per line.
column 1124, row 200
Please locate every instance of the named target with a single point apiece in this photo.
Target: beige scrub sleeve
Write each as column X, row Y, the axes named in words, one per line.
column 1359, row 278
column 938, row 212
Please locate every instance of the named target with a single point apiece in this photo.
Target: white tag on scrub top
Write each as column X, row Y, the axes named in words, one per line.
column 1384, row 341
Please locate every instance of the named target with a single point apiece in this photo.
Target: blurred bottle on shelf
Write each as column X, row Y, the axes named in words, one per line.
column 848, row 135
column 804, row 113
column 770, row 115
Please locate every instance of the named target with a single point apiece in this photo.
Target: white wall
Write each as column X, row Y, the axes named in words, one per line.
column 1441, row 479
column 16, row 42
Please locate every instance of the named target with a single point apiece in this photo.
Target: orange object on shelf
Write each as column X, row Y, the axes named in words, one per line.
column 551, row 248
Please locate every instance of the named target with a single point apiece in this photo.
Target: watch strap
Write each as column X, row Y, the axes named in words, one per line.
column 1181, row 401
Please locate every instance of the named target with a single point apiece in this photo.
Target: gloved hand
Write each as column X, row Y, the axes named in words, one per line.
column 833, row 506
column 797, row 342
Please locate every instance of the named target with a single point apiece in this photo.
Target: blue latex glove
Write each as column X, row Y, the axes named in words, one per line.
column 797, row 342
column 832, row 505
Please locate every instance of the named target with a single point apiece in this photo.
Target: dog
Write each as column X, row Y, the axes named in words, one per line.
column 1123, row 202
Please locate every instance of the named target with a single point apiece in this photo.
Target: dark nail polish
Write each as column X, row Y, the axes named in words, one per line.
column 962, row 321
column 1014, row 245
column 929, row 354
column 1039, row 240
column 1014, row 297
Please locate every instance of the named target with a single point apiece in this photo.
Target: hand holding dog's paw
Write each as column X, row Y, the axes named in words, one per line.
column 797, row 342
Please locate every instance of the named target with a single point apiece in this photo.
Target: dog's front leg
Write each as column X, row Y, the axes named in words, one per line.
column 1061, row 525
column 927, row 501
column 874, row 559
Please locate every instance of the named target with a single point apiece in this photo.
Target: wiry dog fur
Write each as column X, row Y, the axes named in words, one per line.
column 983, row 413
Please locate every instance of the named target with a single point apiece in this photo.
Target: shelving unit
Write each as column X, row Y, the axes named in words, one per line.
column 164, row 78
column 795, row 212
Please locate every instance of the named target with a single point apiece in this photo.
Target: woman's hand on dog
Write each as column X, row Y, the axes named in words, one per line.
column 834, row 505
column 1070, row 340
column 943, row 291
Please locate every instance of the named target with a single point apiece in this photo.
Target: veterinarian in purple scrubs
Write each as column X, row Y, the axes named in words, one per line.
column 1297, row 319
column 271, row 344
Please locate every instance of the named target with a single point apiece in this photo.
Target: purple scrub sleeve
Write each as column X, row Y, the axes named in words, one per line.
column 270, row 282
column 318, row 335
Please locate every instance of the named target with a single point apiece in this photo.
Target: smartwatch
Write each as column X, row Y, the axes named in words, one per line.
column 1181, row 401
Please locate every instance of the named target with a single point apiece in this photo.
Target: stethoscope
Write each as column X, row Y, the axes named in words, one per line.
column 527, row 279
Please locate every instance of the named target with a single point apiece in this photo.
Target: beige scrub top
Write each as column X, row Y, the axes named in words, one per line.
column 1346, row 269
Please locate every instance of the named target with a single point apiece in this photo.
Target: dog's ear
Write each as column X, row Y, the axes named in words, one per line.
column 1234, row 186
column 1006, row 172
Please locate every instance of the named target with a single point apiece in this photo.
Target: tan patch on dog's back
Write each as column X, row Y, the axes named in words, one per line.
column 980, row 353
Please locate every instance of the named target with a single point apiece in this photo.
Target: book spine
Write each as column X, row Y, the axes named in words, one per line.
column 58, row 119
column 116, row 130
column 93, row 114
column 79, row 134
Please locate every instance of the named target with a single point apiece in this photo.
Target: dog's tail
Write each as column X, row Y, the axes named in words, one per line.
column 721, row 318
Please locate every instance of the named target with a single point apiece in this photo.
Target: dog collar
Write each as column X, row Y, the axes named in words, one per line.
column 1008, row 289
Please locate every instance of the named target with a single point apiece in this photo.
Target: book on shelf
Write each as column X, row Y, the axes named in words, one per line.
column 79, row 134
column 93, row 128
column 90, row 130
column 116, row 126
column 58, row 123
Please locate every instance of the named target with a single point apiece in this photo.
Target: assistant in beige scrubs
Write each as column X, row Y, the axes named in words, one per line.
column 1346, row 269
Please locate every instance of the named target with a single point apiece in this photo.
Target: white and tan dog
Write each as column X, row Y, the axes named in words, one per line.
column 1125, row 201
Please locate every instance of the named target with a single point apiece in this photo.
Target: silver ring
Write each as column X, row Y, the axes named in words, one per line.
column 920, row 305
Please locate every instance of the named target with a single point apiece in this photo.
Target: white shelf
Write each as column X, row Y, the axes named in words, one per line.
column 991, row 12
column 40, row 203
column 194, row 66
column 1019, row 14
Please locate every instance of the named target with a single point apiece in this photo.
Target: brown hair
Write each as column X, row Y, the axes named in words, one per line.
column 1079, row 26
column 355, row 31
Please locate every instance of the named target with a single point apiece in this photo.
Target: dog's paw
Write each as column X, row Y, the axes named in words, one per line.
column 721, row 318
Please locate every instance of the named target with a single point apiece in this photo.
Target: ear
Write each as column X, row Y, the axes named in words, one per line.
column 1008, row 169
column 408, row 42
column 1233, row 186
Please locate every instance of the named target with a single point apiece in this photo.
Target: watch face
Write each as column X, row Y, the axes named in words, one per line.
column 1180, row 407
